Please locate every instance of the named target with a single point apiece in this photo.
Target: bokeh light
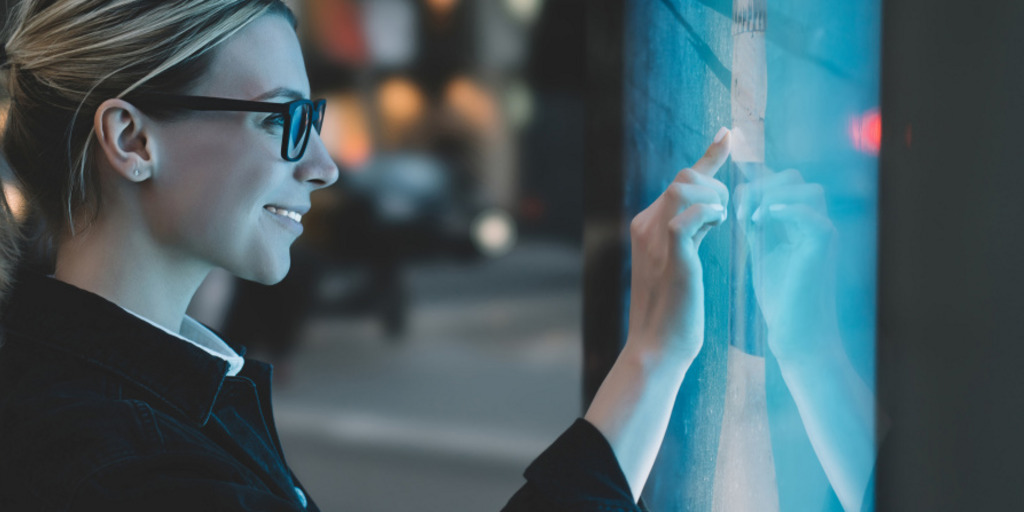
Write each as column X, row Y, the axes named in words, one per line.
column 441, row 7
column 524, row 11
column 472, row 102
column 401, row 105
column 346, row 131
column 866, row 132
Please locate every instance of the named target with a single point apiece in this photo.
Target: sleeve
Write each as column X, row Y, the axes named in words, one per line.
column 578, row 473
column 167, row 483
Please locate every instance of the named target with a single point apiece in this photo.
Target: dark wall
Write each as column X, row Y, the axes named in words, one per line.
column 951, row 310
column 603, row 194
column 552, row 144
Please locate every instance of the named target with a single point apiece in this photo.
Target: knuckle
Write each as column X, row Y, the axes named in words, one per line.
column 715, row 185
column 687, row 175
column 675, row 191
column 636, row 226
column 675, row 228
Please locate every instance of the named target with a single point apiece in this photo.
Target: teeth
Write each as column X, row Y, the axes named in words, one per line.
column 297, row 217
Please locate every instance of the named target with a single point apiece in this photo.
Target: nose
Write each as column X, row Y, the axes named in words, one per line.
column 316, row 166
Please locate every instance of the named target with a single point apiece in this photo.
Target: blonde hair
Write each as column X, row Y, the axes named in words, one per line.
column 65, row 57
column 9, row 246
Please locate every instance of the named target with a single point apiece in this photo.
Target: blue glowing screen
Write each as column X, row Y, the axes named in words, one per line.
column 778, row 410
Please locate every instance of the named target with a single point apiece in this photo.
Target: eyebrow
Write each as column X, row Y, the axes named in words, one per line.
column 280, row 91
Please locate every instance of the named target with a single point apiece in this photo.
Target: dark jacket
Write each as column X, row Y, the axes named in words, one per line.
column 100, row 410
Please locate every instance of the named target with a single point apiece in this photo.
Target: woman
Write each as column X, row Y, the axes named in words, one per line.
column 161, row 139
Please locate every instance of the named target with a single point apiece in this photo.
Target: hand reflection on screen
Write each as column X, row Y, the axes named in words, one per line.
column 791, row 240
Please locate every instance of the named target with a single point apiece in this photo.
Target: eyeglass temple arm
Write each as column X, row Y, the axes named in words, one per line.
column 207, row 103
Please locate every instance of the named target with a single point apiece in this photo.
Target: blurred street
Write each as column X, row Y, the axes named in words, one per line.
column 447, row 418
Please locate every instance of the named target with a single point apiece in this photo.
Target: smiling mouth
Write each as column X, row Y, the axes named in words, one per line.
column 296, row 216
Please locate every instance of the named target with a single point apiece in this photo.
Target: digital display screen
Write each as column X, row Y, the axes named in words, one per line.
column 778, row 410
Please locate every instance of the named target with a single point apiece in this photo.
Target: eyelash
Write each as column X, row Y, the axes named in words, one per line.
column 274, row 121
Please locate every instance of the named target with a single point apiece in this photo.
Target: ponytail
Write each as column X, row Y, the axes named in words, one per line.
column 9, row 244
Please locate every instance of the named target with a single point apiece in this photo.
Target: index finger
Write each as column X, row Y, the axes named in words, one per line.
column 716, row 154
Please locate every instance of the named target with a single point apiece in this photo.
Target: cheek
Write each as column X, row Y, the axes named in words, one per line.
column 210, row 189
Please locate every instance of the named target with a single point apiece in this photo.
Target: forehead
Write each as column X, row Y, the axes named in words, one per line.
column 261, row 57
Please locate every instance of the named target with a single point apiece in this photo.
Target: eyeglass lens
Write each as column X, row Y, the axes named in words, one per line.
column 321, row 108
column 298, row 131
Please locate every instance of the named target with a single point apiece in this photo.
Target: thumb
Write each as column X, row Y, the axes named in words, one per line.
column 716, row 154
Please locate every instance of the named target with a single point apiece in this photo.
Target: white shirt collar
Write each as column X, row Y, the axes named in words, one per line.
column 197, row 334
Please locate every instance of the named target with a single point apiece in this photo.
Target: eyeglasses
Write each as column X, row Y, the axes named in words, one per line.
column 300, row 116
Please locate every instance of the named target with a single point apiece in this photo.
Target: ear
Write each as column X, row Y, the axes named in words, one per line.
column 124, row 136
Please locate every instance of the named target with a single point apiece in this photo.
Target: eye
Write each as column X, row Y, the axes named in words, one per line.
column 274, row 121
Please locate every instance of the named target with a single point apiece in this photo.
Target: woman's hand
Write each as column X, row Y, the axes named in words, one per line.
column 666, row 313
column 792, row 244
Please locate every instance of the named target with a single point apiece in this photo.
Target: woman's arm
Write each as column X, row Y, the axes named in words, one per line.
column 666, row 318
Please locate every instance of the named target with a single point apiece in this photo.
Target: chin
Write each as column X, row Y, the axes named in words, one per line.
column 266, row 272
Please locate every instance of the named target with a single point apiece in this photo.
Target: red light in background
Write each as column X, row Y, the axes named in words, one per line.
column 866, row 132
column 338, row 30
column 532, row 208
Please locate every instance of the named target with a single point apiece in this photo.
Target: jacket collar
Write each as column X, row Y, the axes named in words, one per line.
column 82, row 324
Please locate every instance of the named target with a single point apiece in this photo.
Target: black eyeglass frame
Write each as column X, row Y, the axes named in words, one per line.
column 209, row 103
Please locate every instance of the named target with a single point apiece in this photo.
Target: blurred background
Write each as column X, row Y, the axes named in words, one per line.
column 427, row 340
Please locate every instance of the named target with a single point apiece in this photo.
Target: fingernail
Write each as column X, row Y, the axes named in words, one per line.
column 721, row 134
column 716, row 206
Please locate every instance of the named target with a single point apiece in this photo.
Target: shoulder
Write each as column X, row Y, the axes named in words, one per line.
column 70, row 433
column 49, row 447
column 60, row 420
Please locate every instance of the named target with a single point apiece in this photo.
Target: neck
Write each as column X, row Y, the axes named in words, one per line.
column 132, row 272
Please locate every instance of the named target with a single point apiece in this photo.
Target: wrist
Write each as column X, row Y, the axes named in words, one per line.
column 654, row 358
